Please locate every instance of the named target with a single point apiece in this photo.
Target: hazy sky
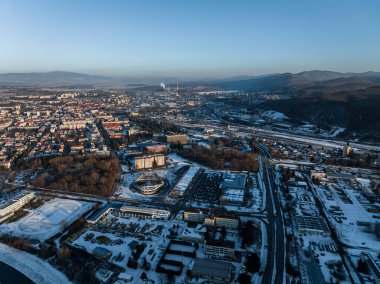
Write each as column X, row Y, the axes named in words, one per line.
column 189, row 38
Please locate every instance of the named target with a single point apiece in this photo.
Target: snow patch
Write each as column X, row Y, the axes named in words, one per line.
column 275, row 115
column 47, row 220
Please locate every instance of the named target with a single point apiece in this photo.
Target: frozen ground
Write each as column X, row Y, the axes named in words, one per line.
column 33, row 267
column 47, row 220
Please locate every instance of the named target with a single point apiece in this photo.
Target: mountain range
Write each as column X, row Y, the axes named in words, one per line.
column 272, row 82
column 308, row 81
column 350, row 100
column 72, row 79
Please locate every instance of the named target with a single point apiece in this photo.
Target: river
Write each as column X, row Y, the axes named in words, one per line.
column 9, row 275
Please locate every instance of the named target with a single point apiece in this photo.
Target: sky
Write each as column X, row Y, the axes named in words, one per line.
column 189, row 39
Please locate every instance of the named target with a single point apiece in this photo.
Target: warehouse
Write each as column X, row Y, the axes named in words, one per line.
column 218, row 271
column 144, row 213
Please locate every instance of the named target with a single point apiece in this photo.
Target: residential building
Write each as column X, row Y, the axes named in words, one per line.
column 219, row 249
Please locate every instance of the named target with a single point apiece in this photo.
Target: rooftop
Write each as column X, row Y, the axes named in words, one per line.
column 220, row 243
column 235, row 181
column 212, row 268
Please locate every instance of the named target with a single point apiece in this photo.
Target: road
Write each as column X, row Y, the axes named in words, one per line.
column 274, row 272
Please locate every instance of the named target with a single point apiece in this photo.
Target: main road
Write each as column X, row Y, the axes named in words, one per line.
column 274, row 272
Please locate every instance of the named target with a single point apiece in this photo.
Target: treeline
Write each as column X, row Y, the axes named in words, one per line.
column 152, row 126
column 225, row 142
column 222, row 159
column 80, row 173
column 353, row 161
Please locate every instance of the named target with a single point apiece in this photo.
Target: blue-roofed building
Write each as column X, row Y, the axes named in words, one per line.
column 102, row 253
column 315, row 273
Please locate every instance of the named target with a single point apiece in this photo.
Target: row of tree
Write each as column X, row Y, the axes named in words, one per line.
column 80, row 173
column 222, row 159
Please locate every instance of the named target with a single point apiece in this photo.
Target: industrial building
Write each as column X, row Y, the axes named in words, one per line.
column 372, row 264
column 212, row 218
column 172, row 139
column 102, row 253
column 8, row 209
column 315, row 273
column 144, row 213
column 232, row 196
column 217, row 271
column 183, row 184
column 195, row 215
column 312, row 225
column 128, row 211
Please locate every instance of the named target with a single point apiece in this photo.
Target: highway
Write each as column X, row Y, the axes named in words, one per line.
column 274, row 272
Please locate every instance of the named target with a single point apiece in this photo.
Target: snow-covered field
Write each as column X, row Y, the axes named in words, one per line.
column 325, row 250
column 33, row 267
column 174, row 158
column 47, row 220
column 350, row 232
column 157, row 243
column 274, row 115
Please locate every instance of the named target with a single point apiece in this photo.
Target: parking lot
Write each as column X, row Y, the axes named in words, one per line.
column 206, row 189
column 123, row 227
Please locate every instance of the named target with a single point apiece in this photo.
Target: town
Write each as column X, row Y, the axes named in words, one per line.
column 168, row 184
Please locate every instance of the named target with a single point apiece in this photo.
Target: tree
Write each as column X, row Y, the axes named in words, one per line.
column 377, row 230
column 362, row 267
column 339, row 273
column 208, row 234
column 223, row 232
column 63, row 254
column 316, row 181
column 253, row 263
column 143, row 276
column 248, row 234
column 244, row 278
column 63, row 224
column 131, row 263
